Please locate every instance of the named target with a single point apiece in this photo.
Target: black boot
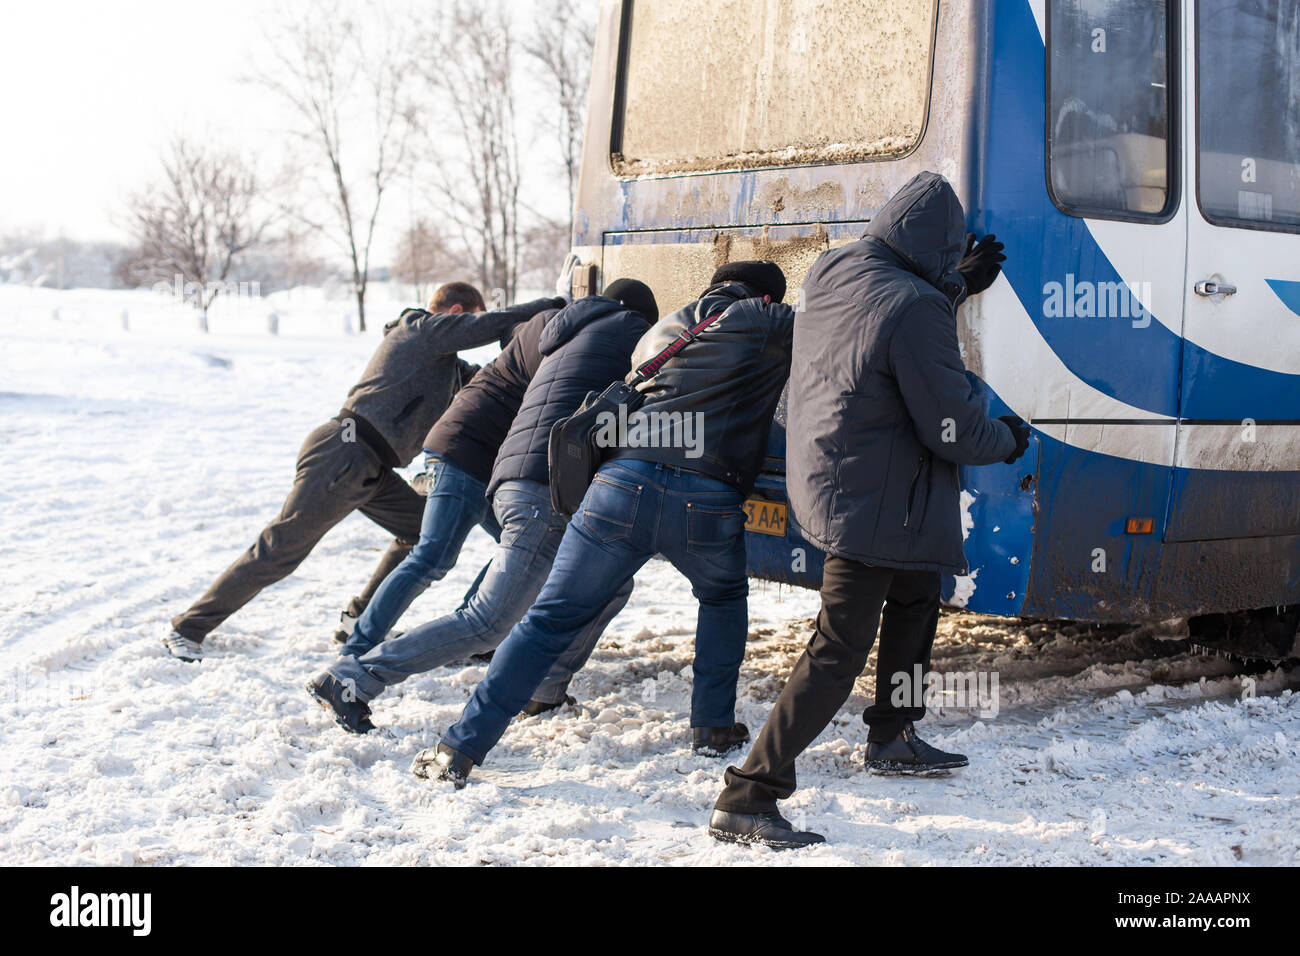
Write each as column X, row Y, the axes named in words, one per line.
column 765, row 829
column 443, row 763
column 909, row 754
column 535, row 707
column 716, row 741
column 349, row 712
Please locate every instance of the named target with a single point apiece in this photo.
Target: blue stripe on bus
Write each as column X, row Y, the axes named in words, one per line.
column 1138, row 366
column 1288, row 292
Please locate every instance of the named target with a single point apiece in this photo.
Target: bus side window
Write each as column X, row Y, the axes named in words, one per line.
column 1248, row 112
column 1109, row 79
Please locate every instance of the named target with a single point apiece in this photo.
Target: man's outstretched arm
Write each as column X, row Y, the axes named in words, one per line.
column 456, row 331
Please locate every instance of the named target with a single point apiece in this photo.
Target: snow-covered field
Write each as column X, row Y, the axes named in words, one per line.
column 138, row 464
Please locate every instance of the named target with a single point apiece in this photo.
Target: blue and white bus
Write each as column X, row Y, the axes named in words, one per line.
column 1141, row 161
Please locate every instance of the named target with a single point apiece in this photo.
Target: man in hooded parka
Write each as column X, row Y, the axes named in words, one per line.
column 881, row 414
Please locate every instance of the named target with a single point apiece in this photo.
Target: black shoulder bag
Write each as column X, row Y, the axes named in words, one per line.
column 573, row 455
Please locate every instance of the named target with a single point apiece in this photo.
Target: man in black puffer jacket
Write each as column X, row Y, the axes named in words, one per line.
column 679, row 494
column 584, row 347
column 881, row 415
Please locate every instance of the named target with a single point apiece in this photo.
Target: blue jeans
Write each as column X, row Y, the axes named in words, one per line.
column 454, row 504
column 632, row 511
column 530, row 534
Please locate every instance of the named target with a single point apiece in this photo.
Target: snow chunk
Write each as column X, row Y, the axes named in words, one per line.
column 967, row 521
column 965, row 588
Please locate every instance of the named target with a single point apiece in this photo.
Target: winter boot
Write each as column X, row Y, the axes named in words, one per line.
column 349, row 711
column 346, row 623
column 182, row 648
column 909, row 754
column 764, row 829
column 443, row 763
column 535, row 707
column 716, row 741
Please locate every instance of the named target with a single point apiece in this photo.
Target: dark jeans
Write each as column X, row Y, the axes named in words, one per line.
column 455, row 502
column 335, row 478
column 633, row 510
column 389, row 561
column 852, row 595
column 531, row 531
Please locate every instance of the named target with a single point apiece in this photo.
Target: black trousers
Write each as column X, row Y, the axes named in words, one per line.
column 852, row 598
column 334, row 478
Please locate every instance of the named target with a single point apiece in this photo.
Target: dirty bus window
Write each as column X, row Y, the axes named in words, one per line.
column 730, row 84
column 1248, row 112
column 1109, row 89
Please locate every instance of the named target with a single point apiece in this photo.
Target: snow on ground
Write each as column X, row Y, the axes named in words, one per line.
column 139, row 464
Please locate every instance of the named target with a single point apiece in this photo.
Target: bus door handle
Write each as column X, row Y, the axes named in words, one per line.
column 1213, row 289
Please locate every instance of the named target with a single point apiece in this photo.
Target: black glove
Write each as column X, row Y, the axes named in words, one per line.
column 1020, row 432
column 982, row 262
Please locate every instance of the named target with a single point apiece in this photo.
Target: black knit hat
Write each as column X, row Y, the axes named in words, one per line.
column 761, row 275
column 635, row 296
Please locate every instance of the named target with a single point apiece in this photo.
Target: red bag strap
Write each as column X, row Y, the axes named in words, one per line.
column 649, row 368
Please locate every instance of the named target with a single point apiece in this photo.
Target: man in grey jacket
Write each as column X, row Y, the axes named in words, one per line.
column 347, row 464
column 881, row 415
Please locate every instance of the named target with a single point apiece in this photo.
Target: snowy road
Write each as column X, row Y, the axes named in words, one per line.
column 138, row 465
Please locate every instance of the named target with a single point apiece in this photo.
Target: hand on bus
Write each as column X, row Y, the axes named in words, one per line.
column 982, row 262
column 564, row 284
column 1020, row 432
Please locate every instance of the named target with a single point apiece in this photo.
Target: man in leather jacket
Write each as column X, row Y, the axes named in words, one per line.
column 679, row 496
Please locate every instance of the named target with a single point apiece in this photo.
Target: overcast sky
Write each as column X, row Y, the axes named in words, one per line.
column 91, row 90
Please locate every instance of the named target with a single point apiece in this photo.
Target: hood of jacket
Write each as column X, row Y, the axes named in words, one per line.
column 723, row 294
column 924, row 225
column 566, row 323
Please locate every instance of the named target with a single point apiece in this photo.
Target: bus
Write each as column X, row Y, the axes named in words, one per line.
column 1140, row 159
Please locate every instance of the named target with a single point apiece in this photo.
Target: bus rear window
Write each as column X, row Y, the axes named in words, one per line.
column 736, row 84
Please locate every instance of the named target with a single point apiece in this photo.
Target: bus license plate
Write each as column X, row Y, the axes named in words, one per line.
column 765, row 517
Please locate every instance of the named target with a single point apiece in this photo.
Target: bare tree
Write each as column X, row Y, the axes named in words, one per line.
column 561, row 47
column 474, row 148
column 544, row 245
column 350, row 84
column 197, row 222
column 289, row 260
column 423, row 259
